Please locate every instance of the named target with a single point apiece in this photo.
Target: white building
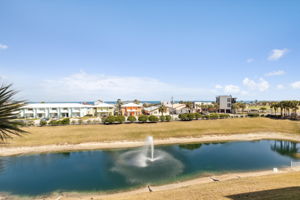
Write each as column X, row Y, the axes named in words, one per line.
column 225, row 103
column 177, row 108
column 55, row 110
column 154, row 110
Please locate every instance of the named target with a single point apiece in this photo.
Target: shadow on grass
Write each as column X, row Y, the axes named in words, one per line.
column 290, row 193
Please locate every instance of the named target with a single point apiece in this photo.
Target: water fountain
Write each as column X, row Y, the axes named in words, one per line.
column 147, row 164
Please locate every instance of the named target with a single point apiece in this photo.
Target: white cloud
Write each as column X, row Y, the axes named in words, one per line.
column 260, row 85
column 280, row 86
column 277, row 54
column 218, row 86
column 3, row 46
column 85, row 86
column 250, row 60
column 296, row 85
column 275, row 73
column 228, row 89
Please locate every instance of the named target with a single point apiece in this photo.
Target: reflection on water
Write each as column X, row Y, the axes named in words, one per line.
column 2, row 165
column 121, row 169
column 286, row 148
column 190, row 146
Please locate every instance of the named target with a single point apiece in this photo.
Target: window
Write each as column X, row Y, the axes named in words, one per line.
column 228, row 105
column 228, row 99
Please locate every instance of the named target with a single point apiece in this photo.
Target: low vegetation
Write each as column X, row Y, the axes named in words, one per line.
column 75, row 134
column 275, row 187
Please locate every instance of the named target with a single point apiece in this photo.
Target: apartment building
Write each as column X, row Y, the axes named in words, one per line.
column 225, row 103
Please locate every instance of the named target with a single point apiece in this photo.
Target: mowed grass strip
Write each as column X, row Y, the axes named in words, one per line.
column 74, row 134
column 275, row 187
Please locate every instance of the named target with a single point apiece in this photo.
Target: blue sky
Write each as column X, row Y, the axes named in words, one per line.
column 63, row 50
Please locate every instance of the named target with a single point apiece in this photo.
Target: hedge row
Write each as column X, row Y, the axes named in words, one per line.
column 191, row 116
column 131, row 119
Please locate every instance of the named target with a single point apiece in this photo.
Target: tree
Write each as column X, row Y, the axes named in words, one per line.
column 136, row 101
column 197, row 116
column 162, row 118
column 153, row 118
column 109, row 120
column 162, row 109
column 189, row 105
column 43, row 123
column 9, row 109
column 168, row 118
column 119, row 104
column 131, row 119
column 65, row 121
column 143, row 118
column 120, row 119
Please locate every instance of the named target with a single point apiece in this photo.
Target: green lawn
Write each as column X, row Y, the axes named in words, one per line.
column 74, row 134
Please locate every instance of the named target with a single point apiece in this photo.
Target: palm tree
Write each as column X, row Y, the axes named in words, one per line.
column 119, row 104
column 8, row 113
column 162, row 109
column 136, row 101
column 189, row 105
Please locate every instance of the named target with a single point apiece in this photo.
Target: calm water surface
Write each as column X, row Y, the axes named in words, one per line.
column 105, row 170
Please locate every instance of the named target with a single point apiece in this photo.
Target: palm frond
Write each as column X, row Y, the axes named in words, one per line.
column 8, row 113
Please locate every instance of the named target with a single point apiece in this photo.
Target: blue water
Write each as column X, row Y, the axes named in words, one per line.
column 103, row 170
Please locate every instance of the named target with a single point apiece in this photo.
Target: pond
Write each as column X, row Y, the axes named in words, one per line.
column 122, row 169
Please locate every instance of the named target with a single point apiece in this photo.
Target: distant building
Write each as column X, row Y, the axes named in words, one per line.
column 225, row 103
column 131, row 109
column 198, row 105
column 102, row 109
column 54, row 110
column 177, row 108
column 154, row 110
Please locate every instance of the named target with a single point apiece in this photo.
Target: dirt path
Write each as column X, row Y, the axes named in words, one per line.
column 9, row 151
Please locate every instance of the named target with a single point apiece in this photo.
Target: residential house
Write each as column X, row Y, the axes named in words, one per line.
column 54, row 110
column 131, row 109
column 102, row 109
column 177, row 108
column 154, row 110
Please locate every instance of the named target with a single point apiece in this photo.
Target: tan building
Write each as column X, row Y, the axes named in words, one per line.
column 154, row 110
column 131, row 109
column 102, row 109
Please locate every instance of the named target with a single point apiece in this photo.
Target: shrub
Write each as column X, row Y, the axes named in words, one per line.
column 191, row 116
column 213, row 116
column 43, row 123
column 29, row 123
column 153, row 118
column 109, row 120
column 120, row 119
column 54, row 123
column 197, row 115
column 184, row 117
column 131, row 119
column 143, row 118
column 223, row 115
column 253, row 115
column 162, row 118
column 65, row 121
column 168, row 118
column 206, row 116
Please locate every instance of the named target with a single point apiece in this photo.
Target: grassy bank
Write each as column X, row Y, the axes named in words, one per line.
column 74, row 134
column 275, row 187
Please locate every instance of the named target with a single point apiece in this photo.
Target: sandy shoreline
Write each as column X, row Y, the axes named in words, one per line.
column 176, row 185
column 10, row 151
